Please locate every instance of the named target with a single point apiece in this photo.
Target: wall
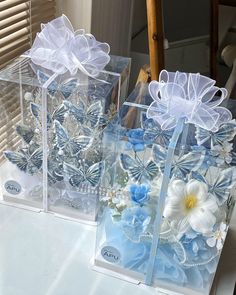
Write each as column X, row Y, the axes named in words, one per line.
column 112, row 23
column 139, row 16
column 78, row 11
column 108, row 20
column 185, row 19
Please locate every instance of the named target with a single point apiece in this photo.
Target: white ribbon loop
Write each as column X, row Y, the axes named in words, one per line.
column 189, row 96
column 59, row 48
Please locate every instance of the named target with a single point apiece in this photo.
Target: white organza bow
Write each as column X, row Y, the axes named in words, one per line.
column 59, row 48
column 189, row 96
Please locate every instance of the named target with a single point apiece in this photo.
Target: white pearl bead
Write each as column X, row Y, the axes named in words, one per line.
column 28, row 96
column 60, row 152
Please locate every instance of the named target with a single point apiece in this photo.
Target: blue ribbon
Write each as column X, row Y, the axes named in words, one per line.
column 161, row 202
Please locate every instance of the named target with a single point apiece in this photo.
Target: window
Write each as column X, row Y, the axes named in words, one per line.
column 19, row 22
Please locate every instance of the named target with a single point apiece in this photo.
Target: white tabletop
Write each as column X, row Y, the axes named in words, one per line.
column 41, row 254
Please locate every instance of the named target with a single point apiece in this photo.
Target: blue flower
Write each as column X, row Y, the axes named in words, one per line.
column 135, row 138
column 134, row 222
column 197, row 250
column 201, row 260
column 139, row 193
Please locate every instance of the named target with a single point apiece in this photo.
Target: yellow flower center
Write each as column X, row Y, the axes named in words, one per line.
column 190, row 202
column 218, row 235
column 224, row 153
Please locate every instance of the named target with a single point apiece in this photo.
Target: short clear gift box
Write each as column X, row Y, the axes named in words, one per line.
column 51, row 132
column 170, row 191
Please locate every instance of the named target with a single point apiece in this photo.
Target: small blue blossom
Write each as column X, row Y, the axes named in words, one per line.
column 135, row 138
column 139, row 193
column 134, row 222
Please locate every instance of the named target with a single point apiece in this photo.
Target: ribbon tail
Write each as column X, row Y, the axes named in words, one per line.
column 161, row 201
column 204, row 117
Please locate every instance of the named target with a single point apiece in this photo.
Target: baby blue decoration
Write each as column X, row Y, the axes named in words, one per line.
column 171, row 192
column 139, row 193
column 135, row 139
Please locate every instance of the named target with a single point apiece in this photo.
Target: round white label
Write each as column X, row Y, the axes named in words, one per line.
column 110, row 254
column 12, row 187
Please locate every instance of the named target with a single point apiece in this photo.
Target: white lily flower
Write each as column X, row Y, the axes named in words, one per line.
column 189, row 205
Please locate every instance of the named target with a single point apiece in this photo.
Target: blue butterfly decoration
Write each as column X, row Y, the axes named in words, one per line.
column 181, row 165
column 209, row 159
column 55, row 170
column 26, row 162
column 25, row 132
column 85, row 130
column 230, row 206
column 233, row 162
column 225, row 133
column 66, row 88
column 58, row 114
column 85, row 174
column 219, row 183
column 154, row 134
column 103, row 120
column 138, row 170
column 68, row 145
column 89, row 115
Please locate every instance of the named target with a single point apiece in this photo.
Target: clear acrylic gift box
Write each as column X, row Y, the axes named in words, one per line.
column 174, row 247
column 51, row 132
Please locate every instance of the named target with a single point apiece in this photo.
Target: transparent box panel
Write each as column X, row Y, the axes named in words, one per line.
column 125, row 157
column 122, row 66
column 21, row 137
column 63, row 117
column 198, row 205
column 75, row 162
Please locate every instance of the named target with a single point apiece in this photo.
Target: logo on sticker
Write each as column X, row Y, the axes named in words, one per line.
column 12, row 187
column 110, row 254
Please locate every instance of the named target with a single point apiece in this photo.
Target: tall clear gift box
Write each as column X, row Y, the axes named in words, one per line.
column 56, row 100
column 170, row 177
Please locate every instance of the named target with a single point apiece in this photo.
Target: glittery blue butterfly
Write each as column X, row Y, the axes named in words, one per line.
column 67, row 88
column 154, row 134
column 29, row 163
column 85, row 115
column 58, row 114
column 69, row 145
column 138, row 170
column 225, row 133
column 180, row 166
column 84, row 174
column 25, row 132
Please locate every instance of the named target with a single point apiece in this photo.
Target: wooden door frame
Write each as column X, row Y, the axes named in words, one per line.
column 155, row 37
